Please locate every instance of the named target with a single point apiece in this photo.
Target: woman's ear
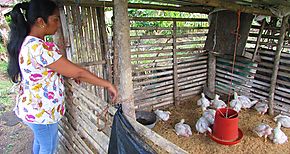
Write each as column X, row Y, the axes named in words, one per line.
column 40, row 23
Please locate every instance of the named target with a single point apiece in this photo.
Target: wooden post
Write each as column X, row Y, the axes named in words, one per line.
column 122, row 46
column 276, row 64
column 175, row 75
column 211, row 74
column 116, row 71
column 258, row 40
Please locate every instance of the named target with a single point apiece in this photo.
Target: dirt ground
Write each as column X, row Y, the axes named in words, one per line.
column 15, row 137
column 201, row 144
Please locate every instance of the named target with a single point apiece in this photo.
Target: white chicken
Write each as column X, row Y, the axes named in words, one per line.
column 209, row 115
column 217, row 103
column 261, row 107
column 246, row 102
column 203, row 102
column 202, row 125
column 182, row 129
column 163, row 115
column 283, row 119
column 236, row 104
column 279, row 137
column 263, row 130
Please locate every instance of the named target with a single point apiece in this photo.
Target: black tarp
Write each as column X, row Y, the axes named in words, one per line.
column 124, row 139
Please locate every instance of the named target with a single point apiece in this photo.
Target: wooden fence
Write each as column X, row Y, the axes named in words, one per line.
column 265, row 59
column 87, row 124
column 169, row 63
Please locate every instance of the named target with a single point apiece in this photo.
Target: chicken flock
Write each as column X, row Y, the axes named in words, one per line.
column 238, row 103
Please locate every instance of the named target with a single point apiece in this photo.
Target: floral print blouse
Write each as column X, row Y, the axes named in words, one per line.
column 40, row 98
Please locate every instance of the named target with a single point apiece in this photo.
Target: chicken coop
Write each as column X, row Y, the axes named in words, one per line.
column 214, row 46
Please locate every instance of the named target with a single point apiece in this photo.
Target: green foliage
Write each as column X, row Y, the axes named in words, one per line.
column 3, row 67
column 5, row 86
column 8, row 19
column 2, row 48
column 4, row 93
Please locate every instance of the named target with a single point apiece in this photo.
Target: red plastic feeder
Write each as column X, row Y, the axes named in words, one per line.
column 225, row 129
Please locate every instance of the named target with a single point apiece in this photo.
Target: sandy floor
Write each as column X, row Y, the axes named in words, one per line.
column 201, row 144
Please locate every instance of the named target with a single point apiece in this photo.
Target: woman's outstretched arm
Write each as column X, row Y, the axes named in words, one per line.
column 71, row 70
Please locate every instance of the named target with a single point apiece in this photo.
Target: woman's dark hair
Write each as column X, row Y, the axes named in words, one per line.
column 23, row 17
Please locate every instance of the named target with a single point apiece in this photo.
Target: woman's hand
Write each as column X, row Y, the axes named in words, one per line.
column 113, row 92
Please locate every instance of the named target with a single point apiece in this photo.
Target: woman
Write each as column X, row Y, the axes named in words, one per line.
column 38, row 67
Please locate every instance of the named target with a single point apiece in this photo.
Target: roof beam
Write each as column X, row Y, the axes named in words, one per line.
column 233, row 6
column 197, row 9
column 273, row 2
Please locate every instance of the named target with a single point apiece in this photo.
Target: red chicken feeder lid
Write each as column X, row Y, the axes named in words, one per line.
column 227, row 142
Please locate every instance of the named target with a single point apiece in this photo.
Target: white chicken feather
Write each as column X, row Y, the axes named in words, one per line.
column 261, row 107
column 279, row 137
column 283, row 119
column 236, row 104
column 202, row 125
column 203, row 102
column 182, row 129
column 263, row 130
column 246, row 102
column 163, row 115
column 209, row 115
column 217, row 103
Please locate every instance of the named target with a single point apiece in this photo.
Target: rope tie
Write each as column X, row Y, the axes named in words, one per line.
column 234, row 59
column 104, row 112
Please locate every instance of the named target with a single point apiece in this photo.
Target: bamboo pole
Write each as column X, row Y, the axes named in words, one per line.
column 122, row 47
column 258, row 40
column 276, row 64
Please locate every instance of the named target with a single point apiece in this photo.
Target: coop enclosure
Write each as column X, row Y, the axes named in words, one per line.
column 169, row 64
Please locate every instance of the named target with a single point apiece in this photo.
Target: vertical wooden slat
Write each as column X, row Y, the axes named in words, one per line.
column 258, row 40
column 276, row 64
column 104, row 41
column 85, row 28
column 66, row 36
column 80, row 33
column 104, row 45
column 175, row 76
column 76, row 34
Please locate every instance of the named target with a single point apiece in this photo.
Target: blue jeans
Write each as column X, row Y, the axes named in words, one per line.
column 45, row 138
